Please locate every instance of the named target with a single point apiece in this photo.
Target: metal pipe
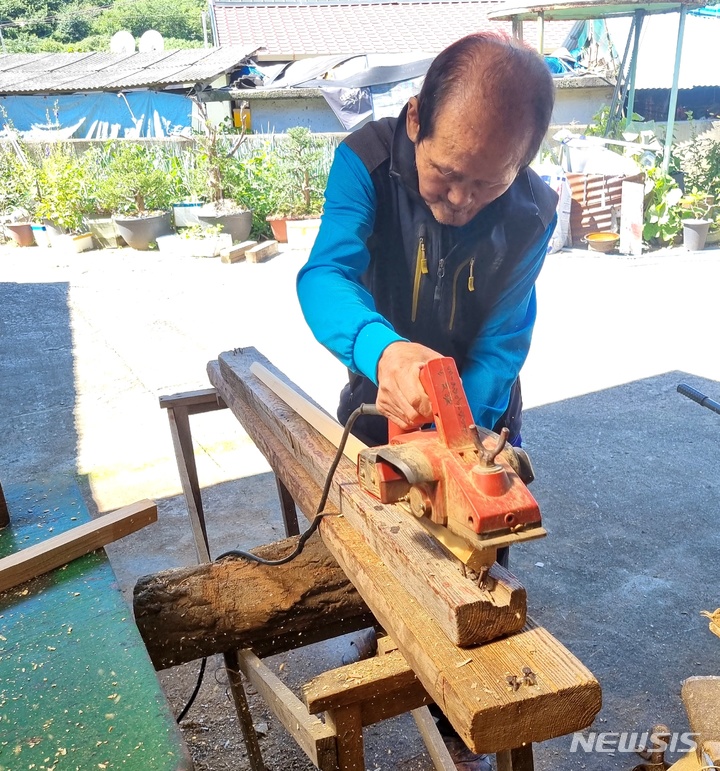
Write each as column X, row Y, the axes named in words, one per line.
column 618, row 90
column 673, row 91
column 639, row 18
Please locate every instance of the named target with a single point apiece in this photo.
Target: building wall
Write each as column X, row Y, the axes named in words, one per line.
column 577, row 101
column 275, row 116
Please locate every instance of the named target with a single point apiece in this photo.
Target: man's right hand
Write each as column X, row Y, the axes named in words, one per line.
column 401, row 396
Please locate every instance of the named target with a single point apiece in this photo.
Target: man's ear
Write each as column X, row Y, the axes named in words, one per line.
column 412, row 120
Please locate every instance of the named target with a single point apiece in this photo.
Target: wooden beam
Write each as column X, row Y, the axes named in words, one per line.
column 42, row 557
column 237, row 252
column 470, row 684
column 468, row 614
column 187, row 613
column 315, row 738
column 433, row 740
column 262, row 251
column 364, row 681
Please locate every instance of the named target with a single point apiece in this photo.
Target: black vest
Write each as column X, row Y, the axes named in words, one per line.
column 436, row 284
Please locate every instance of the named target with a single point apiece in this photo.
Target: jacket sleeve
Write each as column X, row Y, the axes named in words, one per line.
column 499, row 352
column 338, row 309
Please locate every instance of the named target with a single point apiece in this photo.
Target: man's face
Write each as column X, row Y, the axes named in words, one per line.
column 466, row 164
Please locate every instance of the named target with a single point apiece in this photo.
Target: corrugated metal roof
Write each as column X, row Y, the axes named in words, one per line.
column 295, row 31
column 43, row 73
column 656, row 54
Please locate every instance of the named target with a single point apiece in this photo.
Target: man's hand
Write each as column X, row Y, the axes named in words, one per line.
column 401, row 397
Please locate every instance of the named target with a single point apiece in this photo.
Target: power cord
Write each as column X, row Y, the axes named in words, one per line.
column 363, row 409
column 320, row 514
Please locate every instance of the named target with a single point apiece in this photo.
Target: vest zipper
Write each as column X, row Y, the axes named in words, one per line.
column 440, row 275
column 470, row 286
column 421, row 268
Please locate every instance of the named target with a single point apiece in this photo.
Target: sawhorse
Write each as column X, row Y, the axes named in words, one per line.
column 381, row 687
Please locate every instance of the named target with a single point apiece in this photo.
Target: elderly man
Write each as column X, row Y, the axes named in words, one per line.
column 433, row 233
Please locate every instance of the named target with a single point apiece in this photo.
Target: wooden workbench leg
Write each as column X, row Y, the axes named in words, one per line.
column 433, row 740
column 287, row 506
column 243, row 711
column 182, row 442
column 517, row 759
column 347, row 724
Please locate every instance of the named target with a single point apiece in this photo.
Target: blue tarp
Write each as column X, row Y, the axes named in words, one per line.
column 97, row 115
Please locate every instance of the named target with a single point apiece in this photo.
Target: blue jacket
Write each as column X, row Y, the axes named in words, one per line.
column 362, row 287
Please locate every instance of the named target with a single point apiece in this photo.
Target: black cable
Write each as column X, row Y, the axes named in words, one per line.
column 192, row 698
column 363, row 409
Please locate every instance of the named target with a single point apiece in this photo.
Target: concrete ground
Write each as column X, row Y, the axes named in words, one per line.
column 627, row 469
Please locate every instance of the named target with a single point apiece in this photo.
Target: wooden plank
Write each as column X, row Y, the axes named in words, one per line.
column 42, row 557
column 433, row 741
column 315, row 738
column 236, row 253
column 469, row 685
column 191, row 398
column 262, row 251
column 355, row 683
column 468, row 614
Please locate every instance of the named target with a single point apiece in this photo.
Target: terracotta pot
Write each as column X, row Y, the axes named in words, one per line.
column 279, row 228
column 21, row 233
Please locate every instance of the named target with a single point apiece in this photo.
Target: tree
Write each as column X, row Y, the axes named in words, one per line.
column 172, row 18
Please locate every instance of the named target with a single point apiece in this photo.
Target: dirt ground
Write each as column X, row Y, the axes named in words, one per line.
column 627, row 469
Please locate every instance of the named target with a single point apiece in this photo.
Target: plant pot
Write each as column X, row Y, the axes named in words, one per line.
column 140, row 232
column 21, row 233
column 179, row 246
column 695, row 234
column 713, row 237
column 54, row 232
column 185, row 214
column 104, row 232
column 279, row 228
column 40, row 234
column 238, row 224
column 74, row 243
column 301, row 234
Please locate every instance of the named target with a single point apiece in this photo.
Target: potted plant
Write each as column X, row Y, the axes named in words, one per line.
column 302, row 168
column 137, row 188
column 191, row 187
column 17, row 193
column 196, row 241
column 697, row 209
column 218, row 167
column 62, row 182
column 662, row 222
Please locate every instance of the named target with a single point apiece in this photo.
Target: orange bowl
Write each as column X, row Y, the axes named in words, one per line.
column 602, row 242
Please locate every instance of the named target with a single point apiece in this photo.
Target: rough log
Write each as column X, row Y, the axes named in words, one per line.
column 469, row 684
column 187, row 613
column 467, row 613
